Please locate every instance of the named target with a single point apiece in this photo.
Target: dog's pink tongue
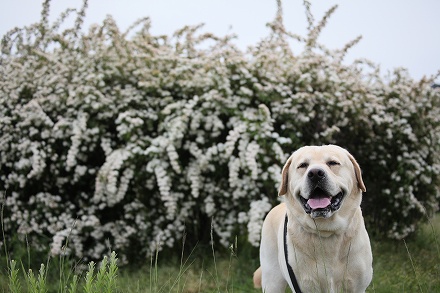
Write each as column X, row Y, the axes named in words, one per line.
column 319, row 203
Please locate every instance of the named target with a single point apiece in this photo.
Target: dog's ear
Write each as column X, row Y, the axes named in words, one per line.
column 358, row 172
column 285, row 178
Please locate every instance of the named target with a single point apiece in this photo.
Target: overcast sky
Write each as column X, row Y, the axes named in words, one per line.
column 396, row 33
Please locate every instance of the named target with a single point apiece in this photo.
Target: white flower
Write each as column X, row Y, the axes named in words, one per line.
column 79, row 127
column 258, row 210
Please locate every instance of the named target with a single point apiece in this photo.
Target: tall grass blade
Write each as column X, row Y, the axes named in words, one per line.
column 413, row 266
column 434, row 233
column 181, row 261
column 151, row 273
column 28, row 250
column 3, row 200
column 213, row 255
column 154, row 270
column 233, row 249
column 156, row 275
column 201, row 278
column 184, row 266
column 64, row 280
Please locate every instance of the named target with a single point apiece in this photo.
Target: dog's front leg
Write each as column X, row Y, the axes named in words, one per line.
column 273, row 282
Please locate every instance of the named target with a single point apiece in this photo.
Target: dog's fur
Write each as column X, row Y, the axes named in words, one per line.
column 328, row 247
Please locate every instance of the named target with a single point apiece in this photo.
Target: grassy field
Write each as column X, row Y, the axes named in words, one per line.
column 408, row 266
column 412, row 265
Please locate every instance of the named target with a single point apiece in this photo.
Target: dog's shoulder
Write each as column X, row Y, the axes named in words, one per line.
column 277, row 214
column 273, row 220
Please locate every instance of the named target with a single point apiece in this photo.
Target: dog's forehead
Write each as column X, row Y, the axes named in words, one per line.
column 318, row 154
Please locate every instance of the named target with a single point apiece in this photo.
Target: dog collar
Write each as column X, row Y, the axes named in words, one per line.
column 289, row 268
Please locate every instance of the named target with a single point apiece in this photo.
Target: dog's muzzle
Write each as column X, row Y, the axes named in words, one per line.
column 320, row 202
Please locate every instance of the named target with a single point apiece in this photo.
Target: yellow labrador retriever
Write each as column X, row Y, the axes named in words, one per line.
column 316, row 240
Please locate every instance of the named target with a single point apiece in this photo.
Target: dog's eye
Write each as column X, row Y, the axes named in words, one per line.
column 333, row 163
column 303, row 165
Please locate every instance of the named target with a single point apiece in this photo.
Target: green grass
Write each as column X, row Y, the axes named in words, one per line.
column 412, row 265
column 19, row 280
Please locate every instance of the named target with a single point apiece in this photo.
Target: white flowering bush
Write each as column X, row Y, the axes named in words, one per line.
column 110, row 141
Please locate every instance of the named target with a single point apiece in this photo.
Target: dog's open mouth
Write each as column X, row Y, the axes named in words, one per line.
column 320, row 203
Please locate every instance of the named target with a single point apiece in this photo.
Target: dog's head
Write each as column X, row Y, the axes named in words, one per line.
column 322, row 180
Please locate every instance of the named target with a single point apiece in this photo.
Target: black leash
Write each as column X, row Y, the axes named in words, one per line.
column 289, row 268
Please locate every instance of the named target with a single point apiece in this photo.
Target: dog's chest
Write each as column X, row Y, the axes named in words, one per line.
column 322, row 265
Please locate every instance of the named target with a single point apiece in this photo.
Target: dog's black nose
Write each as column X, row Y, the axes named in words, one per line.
column 316, row 174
